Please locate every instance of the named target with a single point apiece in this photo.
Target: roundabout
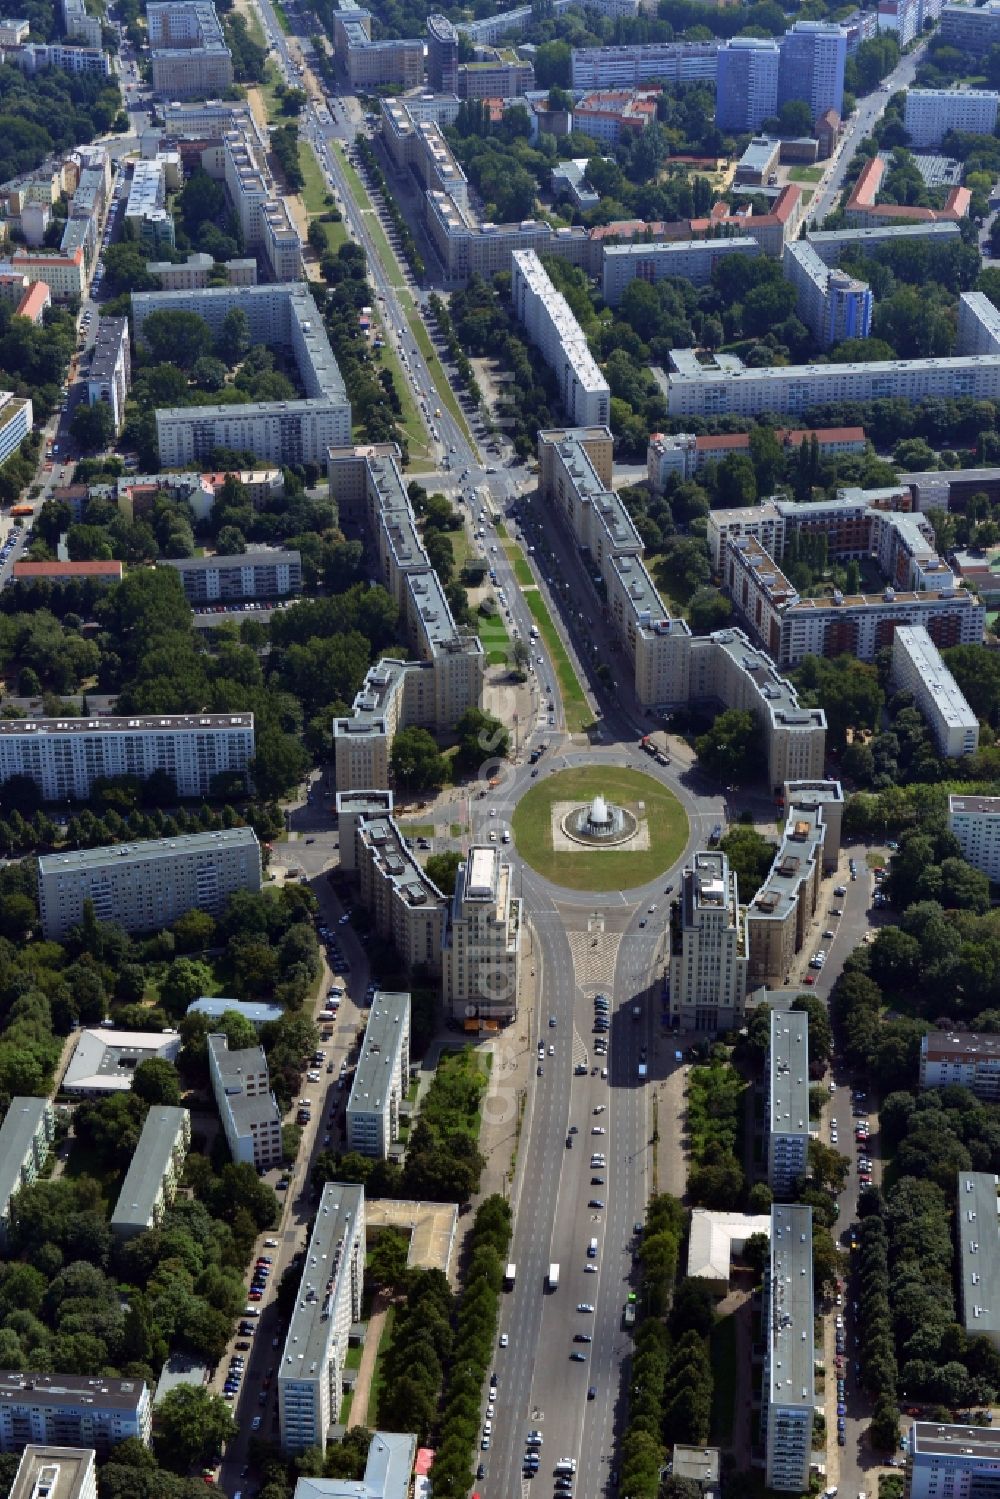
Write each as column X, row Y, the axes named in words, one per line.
column 556, row 828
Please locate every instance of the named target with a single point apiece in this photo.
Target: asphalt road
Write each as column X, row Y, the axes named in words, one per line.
column 859, row 126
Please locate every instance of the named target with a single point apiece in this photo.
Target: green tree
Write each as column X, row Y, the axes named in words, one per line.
column 443, row 870
column 186, row 980
column 93, row 427
column 481, row 737
column 709, row 609
column 233, row 343
column 732, row 750
column 417, row 762
column 193, row 1425
column 155, row 1081
column 179, row 338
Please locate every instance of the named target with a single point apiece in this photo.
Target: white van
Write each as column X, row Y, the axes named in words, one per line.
column 592, row 1250
column 565, row 1465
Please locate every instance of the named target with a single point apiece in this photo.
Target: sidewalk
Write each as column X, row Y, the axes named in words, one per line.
column 361, row 1397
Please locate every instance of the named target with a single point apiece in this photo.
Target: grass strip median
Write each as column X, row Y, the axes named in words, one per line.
column 442, row 384
column 575, row 706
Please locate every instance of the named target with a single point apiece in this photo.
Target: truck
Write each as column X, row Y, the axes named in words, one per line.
column 552, row 1283
column 509, row 1276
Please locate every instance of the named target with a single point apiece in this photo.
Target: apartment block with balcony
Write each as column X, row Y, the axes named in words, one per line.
column 917, row 667
column 26, row 1137
column 311, row 1368
column 943, row 1461
column 65, row 756
column 145, row 887
column 154, row 1172
column 188, row 53
column 72, row 1410
column 264, row 573
column 975, row 822
column 962, row 1059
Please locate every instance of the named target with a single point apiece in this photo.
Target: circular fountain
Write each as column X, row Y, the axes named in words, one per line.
column 599, row 824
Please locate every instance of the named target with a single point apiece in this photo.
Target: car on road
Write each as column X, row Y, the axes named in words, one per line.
column 255, row 1424
column 578, row 1358
column 592, row 1392
column 596, row 1202
column 504, row 1340
column 584, row 1306
column 598, row 1129
column 582, row 1337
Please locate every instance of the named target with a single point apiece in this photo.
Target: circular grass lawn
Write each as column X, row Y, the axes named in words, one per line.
column 601, row 869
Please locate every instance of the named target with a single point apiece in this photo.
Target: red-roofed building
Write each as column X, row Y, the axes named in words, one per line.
column 67, row 572
column 34, row 302
column 686, row 455
column 606, row 114
column 863, row 212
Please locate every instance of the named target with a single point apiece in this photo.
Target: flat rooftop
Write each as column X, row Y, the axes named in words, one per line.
column 778, row 692
column 388, row 1025
column 150, row 852
column 54, row 1472
column 965, row 1046
column 17, row 1134
column 792, row 1309
column 311, row 1323
column 105, row 1060
column 788, row 1060
column 928, row 1439
column 50, row 1390
column 980, row 806
column 261, row 557
column 935, row 678
column 977, row 1230
column 143, row 724
column 149, row 1163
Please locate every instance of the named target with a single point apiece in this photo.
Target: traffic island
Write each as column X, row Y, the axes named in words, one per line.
column 656, row 824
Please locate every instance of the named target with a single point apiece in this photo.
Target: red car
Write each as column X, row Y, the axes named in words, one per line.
column 809, row 979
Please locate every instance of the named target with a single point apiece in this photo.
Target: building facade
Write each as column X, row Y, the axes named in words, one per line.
column 975, row 822
column 931, row 113
column 481, row 962
column 381, row 1078
column 16, row 422
column 72, row 1410
column 708, row 948
column 787, row 1100
column 311, row 1371
column 188, row 53
column 263, row 574
column 250, row 1115
column 917, row 667
column 832, row 304
column 26, row 1137
column 964, row 1059
column 692, row 260
column 145, row 887
column 788, row 1395
column 747, row 83
column 442, row 55
column 65, row 756
column 813, row 56
column 154, row 1173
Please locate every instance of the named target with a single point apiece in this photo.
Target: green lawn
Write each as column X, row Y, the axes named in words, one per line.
column 805, row 174
column 411, row 420
column 418, row 829
column 460, row 547
column 723, row 1355
column 283, row 20
column 378, row 1373
column 336, row 235
column 255, row 30
column 353, row 1359
column 314, row 190
column 575, row 705
column 496, row 642
column 581, row 869
column 267, row 93
column 345, row 1408
column 519, row 562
